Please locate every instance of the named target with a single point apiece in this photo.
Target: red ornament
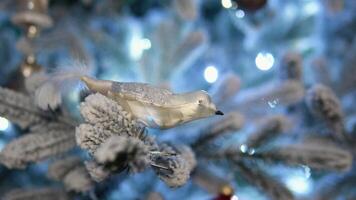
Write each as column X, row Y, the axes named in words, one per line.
column 226, row 193
column 223, row 197
column 250, row 5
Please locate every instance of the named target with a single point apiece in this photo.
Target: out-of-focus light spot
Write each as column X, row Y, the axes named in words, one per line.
column 264, row 61
column 251, row 151
column 307, row 171
column 211, row 74
column 138, row 45
column 243, row 148
column 298, row 184
column 4, row 124
column 226, row 3
column 145, row 43
column 234, row 197
column 311, row 8
column 240, row 14
column 273, row 103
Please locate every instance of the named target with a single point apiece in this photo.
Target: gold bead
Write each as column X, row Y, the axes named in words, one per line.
column 30, row 59
column 227, row 190
column 32, row 31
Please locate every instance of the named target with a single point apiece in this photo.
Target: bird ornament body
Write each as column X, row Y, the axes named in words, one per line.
column 155, row 107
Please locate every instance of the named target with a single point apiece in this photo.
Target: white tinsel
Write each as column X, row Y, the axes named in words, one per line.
column 119, row 152
column 43, row 141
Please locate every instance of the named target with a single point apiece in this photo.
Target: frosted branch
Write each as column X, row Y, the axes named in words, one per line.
column 225, row 88
column 232, row 122
column 19, row 108
column 59, row 169
column 268, row 184
column 118, row 153
column 317, row 156
column 291, row 67
column 72, row 172
column 323, row 103
column 36, row 193
column 42, row 142
column 268, row 128
column 105, row 118
column 179, row 149
column 285, row 93
column 96, row 171
column 173, row 170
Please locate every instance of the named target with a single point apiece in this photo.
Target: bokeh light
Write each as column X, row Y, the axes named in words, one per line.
column 226, row 3
column 234, row 197
column 4, row 124
column 211, row 74
column 264, row 61
column 311, row 8
column 138, row 45
column 240, row 14
column 299, row 184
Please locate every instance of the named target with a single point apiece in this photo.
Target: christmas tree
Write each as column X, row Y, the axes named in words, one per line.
column 280, row 71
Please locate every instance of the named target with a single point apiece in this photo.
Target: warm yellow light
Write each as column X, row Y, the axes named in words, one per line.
column 226, row 3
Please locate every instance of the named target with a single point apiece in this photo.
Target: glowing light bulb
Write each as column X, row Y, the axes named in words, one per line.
column 211, row 74
column 311, row 8
column 145, row 43
column 226, row 3
column 240, row 14
column 138, row 45
column 264, row 61
column 4, row 124
column 298, row 184
column 234, row 197
column 243, row 148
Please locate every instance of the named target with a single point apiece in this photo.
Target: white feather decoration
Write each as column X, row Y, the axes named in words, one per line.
column 49, row 94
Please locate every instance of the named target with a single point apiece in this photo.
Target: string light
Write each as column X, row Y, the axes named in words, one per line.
column 264, row 61
column 240, row 14
column 211, row 74
column 311, row 8
column 234, row 197
column 226, row 3
column 4, row 124
column 138, row 45
column 298, row 184
column 243, row 148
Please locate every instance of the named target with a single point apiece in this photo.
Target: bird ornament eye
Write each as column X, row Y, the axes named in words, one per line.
column 200, row 101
